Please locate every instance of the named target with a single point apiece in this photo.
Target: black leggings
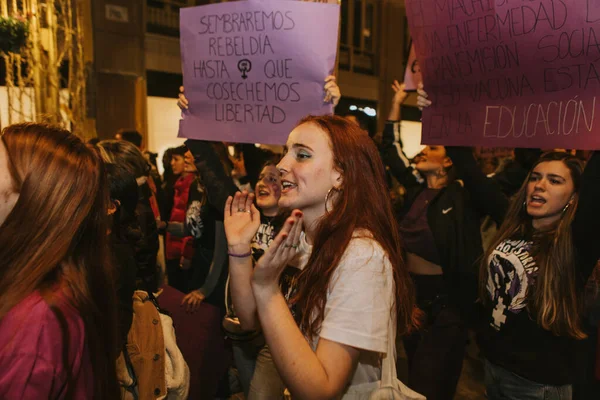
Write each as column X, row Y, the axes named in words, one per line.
column 435, row 353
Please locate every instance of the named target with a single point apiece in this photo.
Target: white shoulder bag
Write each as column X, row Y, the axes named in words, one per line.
column 389, row 387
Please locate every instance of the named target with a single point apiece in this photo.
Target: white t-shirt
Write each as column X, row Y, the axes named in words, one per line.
column 359, row 304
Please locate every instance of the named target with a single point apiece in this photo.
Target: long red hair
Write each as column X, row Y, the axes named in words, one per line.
column 55, row 236
column 362, row 203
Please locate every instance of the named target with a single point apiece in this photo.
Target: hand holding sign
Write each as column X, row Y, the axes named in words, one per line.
column 422, row 100
column 332, row 91
column 331, row 88
column 253, row 69
column 182, row 101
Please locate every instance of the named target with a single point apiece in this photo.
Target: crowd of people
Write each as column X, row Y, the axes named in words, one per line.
column 294, row 274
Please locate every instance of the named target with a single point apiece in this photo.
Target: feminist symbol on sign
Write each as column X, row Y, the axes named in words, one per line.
column 244, row 66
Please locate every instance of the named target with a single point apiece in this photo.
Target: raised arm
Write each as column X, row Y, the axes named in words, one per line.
column 323, row 374
column 392, row 152
column 586, row 235
column 394, row 158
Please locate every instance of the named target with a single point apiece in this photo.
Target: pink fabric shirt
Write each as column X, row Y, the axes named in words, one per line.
column 31, row 348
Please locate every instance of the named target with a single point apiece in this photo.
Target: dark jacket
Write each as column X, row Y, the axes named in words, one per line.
column 217, row 182
column 455, row 228
column 218, row 185
column 146, row 249
column 126, row 270
column 393, row 156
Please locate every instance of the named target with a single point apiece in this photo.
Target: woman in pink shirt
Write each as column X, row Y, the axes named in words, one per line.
column 57, row 301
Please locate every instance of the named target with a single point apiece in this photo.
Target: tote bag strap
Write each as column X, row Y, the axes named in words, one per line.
column 388, row 368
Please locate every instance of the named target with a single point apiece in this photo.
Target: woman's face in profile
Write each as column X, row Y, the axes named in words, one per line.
column 307, row 170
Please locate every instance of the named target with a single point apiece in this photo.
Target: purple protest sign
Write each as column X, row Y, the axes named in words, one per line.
column 509, row 74
column 253, row 69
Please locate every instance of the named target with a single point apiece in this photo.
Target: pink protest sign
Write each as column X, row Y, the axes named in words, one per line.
column 412, row 75
column 253, row 69
column 509, row 73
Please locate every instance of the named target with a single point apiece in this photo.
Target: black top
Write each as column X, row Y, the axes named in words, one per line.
column 417, row 237
column 126, row 270
column 200, row 220
column 146, row 248
column 510, row 336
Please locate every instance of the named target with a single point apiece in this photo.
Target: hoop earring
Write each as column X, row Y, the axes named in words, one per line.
column 327, row 197
column 566, row 207
column 525, row 204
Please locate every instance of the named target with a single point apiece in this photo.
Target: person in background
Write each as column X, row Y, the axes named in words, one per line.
column 151, row 158
column 124, row 234
column 131, row 136
column 58, row 329
column 129, row 157
column 440, row 230
column 365, row 122
column 533, row 273
column 169, row 179
column 204, row 261
column 258, row 375
column 177, row 256
column 154, row 181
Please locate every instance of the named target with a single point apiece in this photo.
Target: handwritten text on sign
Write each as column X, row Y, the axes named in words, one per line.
column 253, row 69
column 517, row 73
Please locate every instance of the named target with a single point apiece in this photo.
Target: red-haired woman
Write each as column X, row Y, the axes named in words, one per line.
column 354, row 281
column 57, row 296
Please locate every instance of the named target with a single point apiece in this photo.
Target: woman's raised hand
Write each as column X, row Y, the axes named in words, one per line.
column 332, row 91
column 399, row 92
column 242, row 220
column 422, row 100
column 282, row 251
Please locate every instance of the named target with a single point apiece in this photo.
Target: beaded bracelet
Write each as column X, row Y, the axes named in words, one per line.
column 248, row 254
